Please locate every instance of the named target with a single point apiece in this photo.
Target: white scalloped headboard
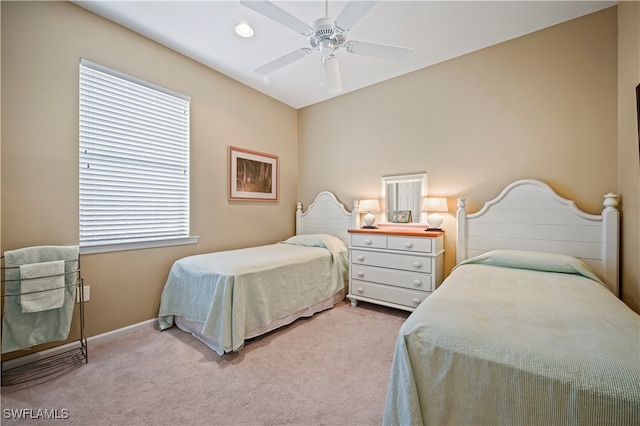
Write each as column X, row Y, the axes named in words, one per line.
column 326, row 215
column 529, row 215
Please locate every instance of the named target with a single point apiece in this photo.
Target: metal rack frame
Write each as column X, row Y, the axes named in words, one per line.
column 53, row 361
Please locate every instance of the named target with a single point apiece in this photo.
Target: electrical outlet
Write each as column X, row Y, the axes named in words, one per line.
column 85, row 293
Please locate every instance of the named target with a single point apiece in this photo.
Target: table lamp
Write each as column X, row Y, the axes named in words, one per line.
column 435, row 205
column 369, row 206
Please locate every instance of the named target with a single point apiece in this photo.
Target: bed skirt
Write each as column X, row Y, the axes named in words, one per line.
column 195, row 328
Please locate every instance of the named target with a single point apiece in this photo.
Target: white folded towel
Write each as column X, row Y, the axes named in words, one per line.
column 42, row 286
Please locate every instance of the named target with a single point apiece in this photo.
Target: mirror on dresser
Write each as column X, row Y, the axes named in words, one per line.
column 403, row 192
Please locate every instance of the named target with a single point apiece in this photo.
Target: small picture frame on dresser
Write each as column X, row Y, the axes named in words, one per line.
column 401, row 216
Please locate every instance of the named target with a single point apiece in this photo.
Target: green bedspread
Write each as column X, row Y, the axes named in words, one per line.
column 514, row 345
column 235, row 292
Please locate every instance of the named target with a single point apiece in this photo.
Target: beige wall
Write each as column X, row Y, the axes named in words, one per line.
column 42, row 43
column 542, row 106
column 628, row 161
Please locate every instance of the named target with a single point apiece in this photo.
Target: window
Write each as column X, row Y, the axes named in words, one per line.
column 134, row 162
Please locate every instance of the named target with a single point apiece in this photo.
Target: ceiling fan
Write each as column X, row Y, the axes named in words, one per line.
column 326, row 35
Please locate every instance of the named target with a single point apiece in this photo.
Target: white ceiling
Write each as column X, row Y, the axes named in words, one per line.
column 437, row 30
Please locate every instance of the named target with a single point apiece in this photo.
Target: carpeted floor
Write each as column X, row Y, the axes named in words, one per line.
column 330, row 369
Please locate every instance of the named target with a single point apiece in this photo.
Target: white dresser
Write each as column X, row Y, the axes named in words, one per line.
column 394, row 267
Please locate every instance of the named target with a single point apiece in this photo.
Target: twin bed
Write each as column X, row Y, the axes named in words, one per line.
column 227, row 297
column 527, row 328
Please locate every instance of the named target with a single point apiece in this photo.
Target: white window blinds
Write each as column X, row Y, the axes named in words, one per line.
column 134, row 159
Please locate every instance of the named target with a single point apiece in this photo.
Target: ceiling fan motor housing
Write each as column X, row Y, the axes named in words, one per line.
column 326, row 35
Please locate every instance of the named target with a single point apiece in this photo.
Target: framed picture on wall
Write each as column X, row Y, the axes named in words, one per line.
column 253, row 175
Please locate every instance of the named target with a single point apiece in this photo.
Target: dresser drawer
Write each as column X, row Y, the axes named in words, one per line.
column 422, row 245
column 400, row 296
column 406, row 262
column 413, row 280
column 373, row 241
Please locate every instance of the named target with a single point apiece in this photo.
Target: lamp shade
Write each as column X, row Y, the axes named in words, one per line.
column 367, row 206
column 434, row 204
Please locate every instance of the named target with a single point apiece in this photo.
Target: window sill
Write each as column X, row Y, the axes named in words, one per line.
column 123, row 246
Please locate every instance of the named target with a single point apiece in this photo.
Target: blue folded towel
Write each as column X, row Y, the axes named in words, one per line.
column 21, row 330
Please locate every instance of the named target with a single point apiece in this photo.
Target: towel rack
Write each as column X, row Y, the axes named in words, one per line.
column 37, row 365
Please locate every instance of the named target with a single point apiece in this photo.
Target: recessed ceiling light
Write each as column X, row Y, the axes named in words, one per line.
column 244, row 30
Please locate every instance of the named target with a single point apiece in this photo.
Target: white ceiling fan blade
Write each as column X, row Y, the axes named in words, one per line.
column 331, row 72
column 273, row 12
column 353, row 12
column 376, row 50
column 283, row 61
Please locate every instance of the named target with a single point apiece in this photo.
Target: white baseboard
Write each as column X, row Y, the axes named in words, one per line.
column 91, row 341
column 110, row 335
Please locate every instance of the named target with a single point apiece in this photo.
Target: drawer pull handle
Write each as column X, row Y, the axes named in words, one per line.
column 417, row 283
column 416, row 301
column 417, row 264
column 360, row 258
column 408, row 244
column 360, row 290
column 368, row 242
column 360, row 274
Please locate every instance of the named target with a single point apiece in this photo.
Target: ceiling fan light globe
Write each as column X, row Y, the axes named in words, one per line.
column 332, row 74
